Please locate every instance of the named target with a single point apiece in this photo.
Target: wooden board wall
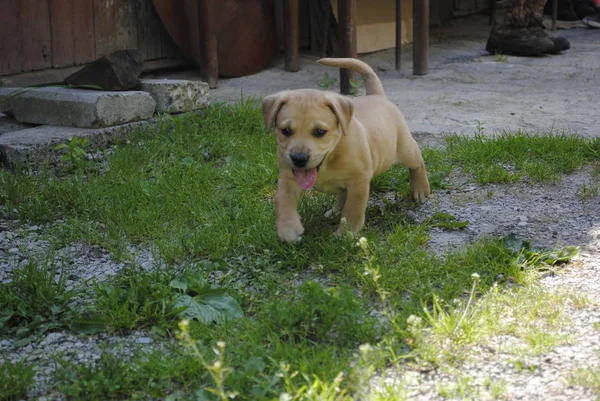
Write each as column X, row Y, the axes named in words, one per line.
column 41, row 34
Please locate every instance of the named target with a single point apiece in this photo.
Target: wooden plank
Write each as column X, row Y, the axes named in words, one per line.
column 10, row 32
column 149, row 34
column 115, row 26
column 35, row 34
column 421, row 37
column 57, row 76
column 347, row 28
column 208, row 42
column 63, row 38
column 83, row 31
column 291, row 39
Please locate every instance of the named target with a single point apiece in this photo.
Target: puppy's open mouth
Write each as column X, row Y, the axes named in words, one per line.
column 306, row 178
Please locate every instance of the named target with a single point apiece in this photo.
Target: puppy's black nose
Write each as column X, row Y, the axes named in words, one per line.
column 299, row 159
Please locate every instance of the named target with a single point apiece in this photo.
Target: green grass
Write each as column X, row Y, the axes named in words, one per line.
column 197, row 190
column 15, row 379
column 155, row 374
column 510, row 157
column 587, row 377
column 36, row 301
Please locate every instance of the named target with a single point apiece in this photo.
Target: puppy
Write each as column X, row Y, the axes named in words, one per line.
column 337, row 145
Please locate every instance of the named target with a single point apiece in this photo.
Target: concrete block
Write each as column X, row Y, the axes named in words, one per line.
column 81, row 108
column 6, row 95
column 34, row 147
column 9, row 124
column 177, row 95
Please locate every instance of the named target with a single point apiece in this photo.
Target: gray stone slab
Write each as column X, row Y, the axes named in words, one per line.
column 35, row 147
column 177, row 95
column 6, row 94
column 81, row 108
column 9, row 124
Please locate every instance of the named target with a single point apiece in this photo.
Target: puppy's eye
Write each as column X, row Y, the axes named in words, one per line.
column 319, row 132
column 286, row 131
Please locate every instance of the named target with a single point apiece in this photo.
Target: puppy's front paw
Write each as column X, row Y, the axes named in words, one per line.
column 291, row 233
column 420, row 196
column 419, row 184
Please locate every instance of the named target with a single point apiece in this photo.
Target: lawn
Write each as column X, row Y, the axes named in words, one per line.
column 239, row 313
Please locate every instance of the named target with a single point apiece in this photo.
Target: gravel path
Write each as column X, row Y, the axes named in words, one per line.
column 548, row 214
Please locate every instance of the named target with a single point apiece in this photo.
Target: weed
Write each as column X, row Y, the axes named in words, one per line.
column 589, row 191
column 313, row 389
column 500, row 58
column 587, row 377
column 446, row 221
column 75, row 152
column 326, row 82
column 218, row 370
column 15, row 379
column 36, row 301
column 355, row 86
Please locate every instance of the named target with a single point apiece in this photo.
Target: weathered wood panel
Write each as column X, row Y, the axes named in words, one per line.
column 10, row 38
column 83, row 31
column 35, row 34
column 63, row 38
column 40, row 34
column 115, row 25
column 149, row 33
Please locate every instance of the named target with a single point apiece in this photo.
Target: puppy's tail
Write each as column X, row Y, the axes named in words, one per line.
column 373, row 85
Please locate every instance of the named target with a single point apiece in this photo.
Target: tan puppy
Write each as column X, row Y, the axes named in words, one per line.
column 337, row 145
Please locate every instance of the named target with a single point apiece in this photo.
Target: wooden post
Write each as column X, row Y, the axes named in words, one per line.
column 420, row 37
column 290, row 27
column 208, row 42
column 347, row 26
column 554, row 14
column 398, row 33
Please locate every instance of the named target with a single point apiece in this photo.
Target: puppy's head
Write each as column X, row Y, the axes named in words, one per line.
column 309, row 124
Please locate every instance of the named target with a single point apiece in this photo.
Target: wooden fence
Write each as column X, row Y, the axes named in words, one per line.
column 41, row 34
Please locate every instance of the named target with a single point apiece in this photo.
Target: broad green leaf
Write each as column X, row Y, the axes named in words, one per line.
column 211, row 306
column 179, row 284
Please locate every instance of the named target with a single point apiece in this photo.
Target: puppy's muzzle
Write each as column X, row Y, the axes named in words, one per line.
column 299, row 159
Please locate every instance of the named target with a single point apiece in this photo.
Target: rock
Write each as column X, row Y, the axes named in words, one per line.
column 144, row 340
column 177, row 96
column 35, row 147
column 117, row 71
column 81, row 108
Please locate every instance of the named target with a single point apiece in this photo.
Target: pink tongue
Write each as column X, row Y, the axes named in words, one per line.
column 306, row 178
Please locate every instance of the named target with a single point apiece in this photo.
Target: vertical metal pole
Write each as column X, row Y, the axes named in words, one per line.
column 398, row 33
column 208, row 42
column 420, row 37
column 290, row 35
column 347, row 26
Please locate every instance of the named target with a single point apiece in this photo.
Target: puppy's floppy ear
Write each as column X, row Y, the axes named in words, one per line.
column 271, row 106
column 342, row 107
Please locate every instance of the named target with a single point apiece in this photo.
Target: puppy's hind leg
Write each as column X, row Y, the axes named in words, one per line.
column 339, row 205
